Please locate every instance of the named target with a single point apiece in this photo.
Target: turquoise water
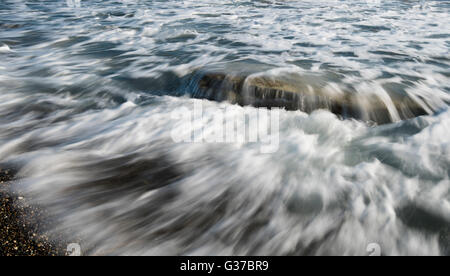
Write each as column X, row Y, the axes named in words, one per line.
column 87, row 89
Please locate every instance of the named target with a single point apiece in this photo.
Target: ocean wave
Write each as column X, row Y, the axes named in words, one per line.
column 332, row 188
column 92, row 94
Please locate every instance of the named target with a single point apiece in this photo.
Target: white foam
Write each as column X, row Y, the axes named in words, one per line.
column 333, row 187
column 5, row 49
column 317, row 182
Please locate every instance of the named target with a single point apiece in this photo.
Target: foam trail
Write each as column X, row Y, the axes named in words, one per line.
column 330, row 189
column 5, row 49
column 87, row 94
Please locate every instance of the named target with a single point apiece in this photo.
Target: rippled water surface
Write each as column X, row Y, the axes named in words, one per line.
column 87, row 91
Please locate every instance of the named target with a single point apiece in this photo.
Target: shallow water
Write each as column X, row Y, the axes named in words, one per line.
column 88, row 90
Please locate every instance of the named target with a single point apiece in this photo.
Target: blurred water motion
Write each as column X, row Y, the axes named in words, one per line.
column 88, row 90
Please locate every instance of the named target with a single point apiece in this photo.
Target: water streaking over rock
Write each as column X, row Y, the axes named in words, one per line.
column 87, row 91
column 294, row 89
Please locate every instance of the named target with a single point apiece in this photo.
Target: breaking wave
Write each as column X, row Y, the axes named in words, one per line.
column 86, row 96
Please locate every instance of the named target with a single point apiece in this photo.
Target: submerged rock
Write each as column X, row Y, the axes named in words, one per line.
column 307, row 93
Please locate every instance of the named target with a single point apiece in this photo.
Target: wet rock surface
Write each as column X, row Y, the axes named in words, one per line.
column 306, row 93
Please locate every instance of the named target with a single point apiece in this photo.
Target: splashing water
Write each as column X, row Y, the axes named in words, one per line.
column 87, row 92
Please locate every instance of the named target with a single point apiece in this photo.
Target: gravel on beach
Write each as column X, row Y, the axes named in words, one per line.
column 22, row 225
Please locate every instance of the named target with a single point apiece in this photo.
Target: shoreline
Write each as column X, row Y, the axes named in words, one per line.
column 22, row 226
